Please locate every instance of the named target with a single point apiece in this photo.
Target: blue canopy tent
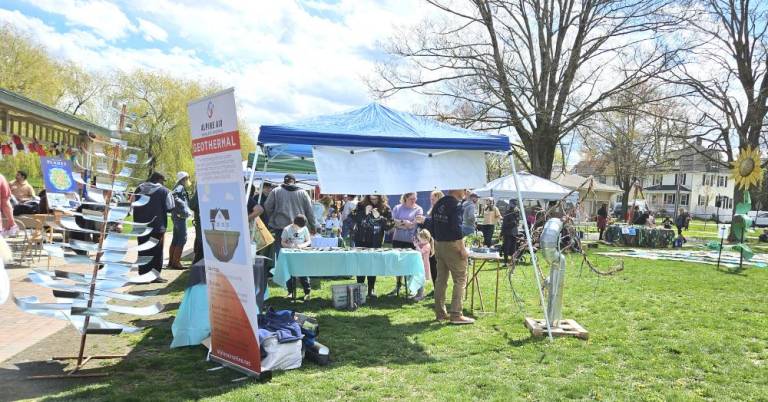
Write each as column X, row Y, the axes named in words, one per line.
column 359, row 151
column 391, row 140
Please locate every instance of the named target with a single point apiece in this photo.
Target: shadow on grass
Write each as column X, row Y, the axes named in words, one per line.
column 153, row 371
column 149, row 371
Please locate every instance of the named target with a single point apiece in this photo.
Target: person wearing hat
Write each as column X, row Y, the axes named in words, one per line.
column 179, row 216
column 155, row 212
column 283, row 205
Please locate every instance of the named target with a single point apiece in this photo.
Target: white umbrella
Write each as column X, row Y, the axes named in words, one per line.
column 532, row 188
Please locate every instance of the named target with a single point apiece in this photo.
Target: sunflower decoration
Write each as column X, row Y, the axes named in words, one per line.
column 746, row 169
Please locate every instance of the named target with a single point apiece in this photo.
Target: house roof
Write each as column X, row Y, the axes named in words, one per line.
column 573, row 181
column 224, row 213
column 667, row 188
column 590, row 167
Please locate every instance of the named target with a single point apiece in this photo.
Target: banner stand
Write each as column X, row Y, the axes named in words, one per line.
column 232, row 300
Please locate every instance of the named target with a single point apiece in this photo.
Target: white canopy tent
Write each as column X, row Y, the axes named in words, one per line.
column 532, row 188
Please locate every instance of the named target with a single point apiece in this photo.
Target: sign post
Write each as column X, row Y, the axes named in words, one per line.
column 226, row 242
column 722, row 233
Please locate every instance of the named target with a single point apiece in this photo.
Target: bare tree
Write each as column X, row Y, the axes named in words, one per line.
column 636, row 139
column 540, row 68
column 726, row 77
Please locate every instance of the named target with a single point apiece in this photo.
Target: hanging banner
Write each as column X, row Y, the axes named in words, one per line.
column 57, row 175
column 226, row 243
column 58, row 181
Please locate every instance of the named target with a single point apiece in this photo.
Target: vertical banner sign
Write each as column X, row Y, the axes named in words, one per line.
column 226, row 243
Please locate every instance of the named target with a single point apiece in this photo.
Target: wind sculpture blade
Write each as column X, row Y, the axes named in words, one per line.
column 104, row 171
column 119, row 275
column 102, row 183
column 118, row 242
column 117, row 245
column 69, row 223
column 48, row 282
column 132, row 159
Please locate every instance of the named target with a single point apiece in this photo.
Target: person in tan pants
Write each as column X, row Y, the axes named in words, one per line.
column 445, row 221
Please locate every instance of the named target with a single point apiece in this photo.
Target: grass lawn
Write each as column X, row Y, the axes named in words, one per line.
column 658, row 331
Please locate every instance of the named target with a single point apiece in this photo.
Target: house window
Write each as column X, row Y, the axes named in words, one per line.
column 657, row 179
column 722, row 181
column 669, row 199
column 684, row 199
column 600, row 179
column 702, row 200
column 725, row 202
column 680, row 178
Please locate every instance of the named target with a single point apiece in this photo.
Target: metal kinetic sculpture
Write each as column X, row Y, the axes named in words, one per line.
column 84, row 299
column 555, row 237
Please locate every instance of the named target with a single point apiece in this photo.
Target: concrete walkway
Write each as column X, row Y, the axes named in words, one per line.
column 19, row 330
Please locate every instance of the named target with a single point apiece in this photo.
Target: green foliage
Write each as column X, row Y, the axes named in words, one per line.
column 27, row 69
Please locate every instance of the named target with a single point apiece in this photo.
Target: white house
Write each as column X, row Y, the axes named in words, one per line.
column 703, row 183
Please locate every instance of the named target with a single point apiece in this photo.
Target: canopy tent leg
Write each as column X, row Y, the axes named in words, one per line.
column 529, row 240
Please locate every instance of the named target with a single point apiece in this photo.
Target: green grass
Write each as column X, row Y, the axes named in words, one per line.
column 658, row 331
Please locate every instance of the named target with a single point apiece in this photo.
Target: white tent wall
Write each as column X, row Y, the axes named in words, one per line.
column 396, row 171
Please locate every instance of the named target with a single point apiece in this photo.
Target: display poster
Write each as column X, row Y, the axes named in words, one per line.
column 226, row 242
column 58, row 182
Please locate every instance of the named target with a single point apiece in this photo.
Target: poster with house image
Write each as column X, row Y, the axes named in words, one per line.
column 221, row 220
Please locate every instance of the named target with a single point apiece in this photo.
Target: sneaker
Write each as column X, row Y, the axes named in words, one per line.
column 417, row 297
column 394, row 292
column 441, row 317
column 306, row 297
column 160, row 280
column 372, row 295
column 462, row 320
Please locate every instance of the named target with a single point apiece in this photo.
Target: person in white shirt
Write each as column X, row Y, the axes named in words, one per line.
column 296, row 235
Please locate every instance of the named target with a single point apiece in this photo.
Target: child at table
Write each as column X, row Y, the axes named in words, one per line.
column 332, row 223
column 296, row 235
column 426, row 245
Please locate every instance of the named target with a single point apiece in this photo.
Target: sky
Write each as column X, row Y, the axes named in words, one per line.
column 287, row 59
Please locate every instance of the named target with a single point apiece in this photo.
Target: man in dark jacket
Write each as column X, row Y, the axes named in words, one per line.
column 509, row 225
column 451, row 256
column 282, row 206
column 156, row 213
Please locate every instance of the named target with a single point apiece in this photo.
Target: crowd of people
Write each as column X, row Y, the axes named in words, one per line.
column 647, row 218
column 367, row 221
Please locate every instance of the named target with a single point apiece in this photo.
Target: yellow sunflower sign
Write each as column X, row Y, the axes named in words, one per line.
column 746, row 170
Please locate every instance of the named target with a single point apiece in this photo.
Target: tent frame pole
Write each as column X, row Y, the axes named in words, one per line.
column 529, row 240
column 261, row 185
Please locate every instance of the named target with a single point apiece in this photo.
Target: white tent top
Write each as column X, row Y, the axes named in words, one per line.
column 573, row 181
column 533, row 188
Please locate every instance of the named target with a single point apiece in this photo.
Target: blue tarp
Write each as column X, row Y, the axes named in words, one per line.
column 378, row 126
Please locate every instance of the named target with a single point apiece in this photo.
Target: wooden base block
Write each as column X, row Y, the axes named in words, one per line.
column 566, row 327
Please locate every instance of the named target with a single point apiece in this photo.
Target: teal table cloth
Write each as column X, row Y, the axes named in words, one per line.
column 192, row 325
column 387, row 262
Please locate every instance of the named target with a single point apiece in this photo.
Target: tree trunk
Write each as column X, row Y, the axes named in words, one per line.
column 542, row 152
